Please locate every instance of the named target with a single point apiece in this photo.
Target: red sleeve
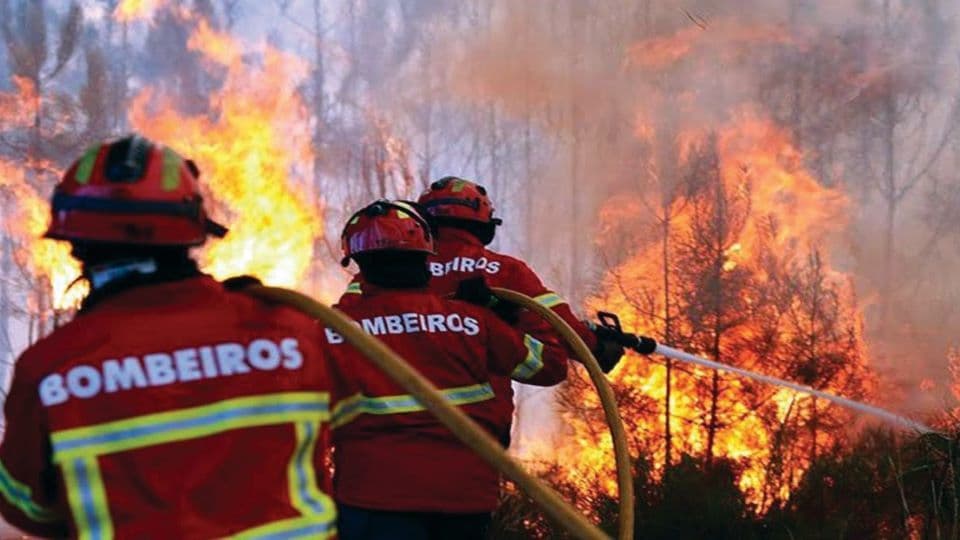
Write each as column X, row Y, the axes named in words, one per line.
column 528, row 283
column 522, row 357
column 352, row 293
column 344, row 374
column 29, row 494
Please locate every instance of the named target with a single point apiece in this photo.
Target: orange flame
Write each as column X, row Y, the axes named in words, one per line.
column 133, row 10
column 249, row 149
column 789, row 217
column 47, row 261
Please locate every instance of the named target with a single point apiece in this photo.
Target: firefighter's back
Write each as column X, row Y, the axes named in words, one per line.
column 391, row 454
column 183, row 410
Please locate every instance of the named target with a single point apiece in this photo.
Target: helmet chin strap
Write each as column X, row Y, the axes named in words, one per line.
column 102, row 275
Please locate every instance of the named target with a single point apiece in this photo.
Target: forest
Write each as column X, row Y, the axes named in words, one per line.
column 770, row 184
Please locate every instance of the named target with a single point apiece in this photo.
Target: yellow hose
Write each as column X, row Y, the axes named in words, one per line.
column 609, row 401
column 456, row 420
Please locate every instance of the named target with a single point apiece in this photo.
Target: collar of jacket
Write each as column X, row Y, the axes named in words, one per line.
column 369, row 289
column 455, row 235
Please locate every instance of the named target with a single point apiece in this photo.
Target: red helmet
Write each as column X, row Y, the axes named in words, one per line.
column 452, row 197
column 131, row 191
column 386, row 225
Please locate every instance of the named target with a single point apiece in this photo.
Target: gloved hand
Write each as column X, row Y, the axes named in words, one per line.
column 608, row 351
column 238, row 283
column 608, row 354
column 476, row 291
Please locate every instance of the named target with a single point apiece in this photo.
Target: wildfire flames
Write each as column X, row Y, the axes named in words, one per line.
column 725, row 255
column 252, row 149
column 742, row 238
column 130, row 10
column 48, row 263
column 248, row 150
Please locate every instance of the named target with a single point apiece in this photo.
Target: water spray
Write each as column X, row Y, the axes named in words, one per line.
column 646, row 346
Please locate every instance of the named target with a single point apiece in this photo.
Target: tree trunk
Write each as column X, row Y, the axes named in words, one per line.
column 668, row 338
column 889, row 192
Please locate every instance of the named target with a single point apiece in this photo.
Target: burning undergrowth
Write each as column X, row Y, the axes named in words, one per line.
column 731, row 263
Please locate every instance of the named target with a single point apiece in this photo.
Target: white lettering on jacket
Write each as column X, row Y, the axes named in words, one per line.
column 413, row 323
column 464, row 264
column 163, row 368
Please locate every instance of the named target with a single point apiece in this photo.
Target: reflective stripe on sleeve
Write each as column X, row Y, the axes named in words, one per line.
column 358, row 404
column 550, row 300
column 533, row 362
column 20, row 496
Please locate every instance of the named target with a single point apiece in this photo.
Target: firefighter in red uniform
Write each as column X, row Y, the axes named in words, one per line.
column 399, row 473
column 171, row 406
column 463, row 216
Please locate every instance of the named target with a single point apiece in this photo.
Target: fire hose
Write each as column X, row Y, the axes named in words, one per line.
column 465, row 429
column 646, row 346
column 608, row 400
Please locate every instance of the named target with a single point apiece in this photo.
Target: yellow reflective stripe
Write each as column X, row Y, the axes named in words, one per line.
column 358, row 404
column 87, row 498
column 319, row 527
column 85, row 167
column 533, row 363
column 183, row 424
column 171, row 169
column 550, row 300
column 20, row 496
column 354, row 288
column 301, row 477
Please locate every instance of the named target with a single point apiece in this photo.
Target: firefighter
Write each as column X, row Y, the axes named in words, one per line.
column 463, row 216
column 171, row 406
column 399, row 473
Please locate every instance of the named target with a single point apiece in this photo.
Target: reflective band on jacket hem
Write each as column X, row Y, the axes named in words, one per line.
column 320, row 527
column 20, row 496
column 550, row 300
column 358, row 404
column 533, row 362
column 77, row 451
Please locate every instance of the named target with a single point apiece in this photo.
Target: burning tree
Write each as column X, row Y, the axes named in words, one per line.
column 740, row 277
column 39, row 122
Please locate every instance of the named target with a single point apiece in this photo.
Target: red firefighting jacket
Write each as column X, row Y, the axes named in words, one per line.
column 172, row 410
column 391, row 454
column 460, row 255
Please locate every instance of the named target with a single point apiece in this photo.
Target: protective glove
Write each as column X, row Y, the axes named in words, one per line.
column 608, row 351
column 238, row 283
column 476, row 291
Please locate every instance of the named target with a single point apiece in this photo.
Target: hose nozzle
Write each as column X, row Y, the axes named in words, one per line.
column 641, row 344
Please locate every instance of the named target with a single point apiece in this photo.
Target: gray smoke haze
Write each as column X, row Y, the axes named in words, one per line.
column 868, row 91
column 558, row 107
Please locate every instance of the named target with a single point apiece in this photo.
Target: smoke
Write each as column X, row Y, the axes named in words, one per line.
column 866, row 90
column 574, row 116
